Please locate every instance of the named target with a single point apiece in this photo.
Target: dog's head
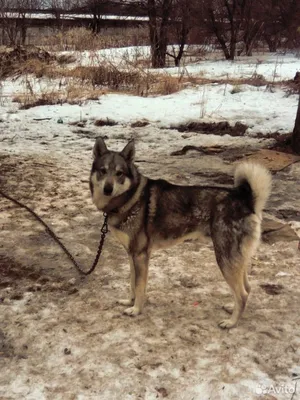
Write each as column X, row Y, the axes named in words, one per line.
column 113, row 173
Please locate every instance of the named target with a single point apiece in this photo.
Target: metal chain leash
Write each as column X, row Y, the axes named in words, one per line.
column 104, row 231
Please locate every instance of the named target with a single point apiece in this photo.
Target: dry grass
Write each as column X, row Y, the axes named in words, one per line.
column 70, row 93
column 21, row 60
column 107, row 76
column 80, row 39
column 28, row 100
column 79, row 84
column 75, row 85
column 167, row 84
column 78, row 94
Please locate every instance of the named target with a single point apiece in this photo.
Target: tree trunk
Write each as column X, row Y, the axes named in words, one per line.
column 248, row 49
column 158, row 34
column 184, row 33
column 272, row 43
column 296, row 132
column 232, row 47
column 96, row 24
column 219, row 35
column 179, row 55
column 23, row 34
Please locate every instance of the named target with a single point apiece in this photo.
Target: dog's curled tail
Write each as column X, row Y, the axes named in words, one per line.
column 259, row 180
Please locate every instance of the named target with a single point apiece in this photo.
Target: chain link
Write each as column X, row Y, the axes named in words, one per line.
column 104, row 231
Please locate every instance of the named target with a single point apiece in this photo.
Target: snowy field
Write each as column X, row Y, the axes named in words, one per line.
column 63, row 337
column 261, row 109
column 272, row 66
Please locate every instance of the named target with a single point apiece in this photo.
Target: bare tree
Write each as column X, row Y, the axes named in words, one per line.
column 97, row 8
column 9, row 30
column 59, row 7
column 223, row 19
column 182, row 23
column 14, row 19
column 289, row 17
column 272, row 29
column 159, row 12
column 232, row 22
column 252, row 24
column 281, row 21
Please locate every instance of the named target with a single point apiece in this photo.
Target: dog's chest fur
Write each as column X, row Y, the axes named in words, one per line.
column 121, row 236
column 126, row 228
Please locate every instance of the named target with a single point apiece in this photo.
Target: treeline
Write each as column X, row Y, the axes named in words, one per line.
column 236, row 26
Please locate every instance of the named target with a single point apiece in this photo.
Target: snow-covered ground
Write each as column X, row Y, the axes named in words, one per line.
column 66, row 338
column 272, row 66
column 261, row 109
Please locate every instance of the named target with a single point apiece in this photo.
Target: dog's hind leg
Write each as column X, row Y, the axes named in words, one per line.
column 230, row 306
column 130, row 300
column 140, row 263
column 246, row 281
column 234, row 276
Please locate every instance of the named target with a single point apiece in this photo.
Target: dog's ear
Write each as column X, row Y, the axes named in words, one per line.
column 99, row 148
column 129, row 151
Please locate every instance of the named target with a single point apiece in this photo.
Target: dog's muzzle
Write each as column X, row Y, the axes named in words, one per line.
column 108, row 189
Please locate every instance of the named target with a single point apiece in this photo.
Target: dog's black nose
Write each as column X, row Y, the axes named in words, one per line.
column 108, row 189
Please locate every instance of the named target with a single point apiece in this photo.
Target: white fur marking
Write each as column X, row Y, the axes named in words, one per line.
column 259, row 179
column 121, row 236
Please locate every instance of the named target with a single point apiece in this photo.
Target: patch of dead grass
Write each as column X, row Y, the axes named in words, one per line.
column 31, row 100
column 105, row 122
column 71, row 94
column 81, row 39
column 21, row 60
column 166, row 84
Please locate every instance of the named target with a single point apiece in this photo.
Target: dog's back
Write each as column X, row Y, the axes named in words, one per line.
column 181, row 211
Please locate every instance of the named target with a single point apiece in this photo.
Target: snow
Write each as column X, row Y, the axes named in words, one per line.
column 71, row 16
column 175, row 345
column 273, row 67
column 261, row 110
column 118, row 56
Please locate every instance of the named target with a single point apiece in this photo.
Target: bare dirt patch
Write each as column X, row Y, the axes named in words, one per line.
column 216, row 128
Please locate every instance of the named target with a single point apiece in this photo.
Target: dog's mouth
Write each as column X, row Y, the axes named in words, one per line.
column 108, row 195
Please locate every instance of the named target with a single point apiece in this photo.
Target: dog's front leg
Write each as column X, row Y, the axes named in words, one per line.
column 130, row 301
column 140, row 264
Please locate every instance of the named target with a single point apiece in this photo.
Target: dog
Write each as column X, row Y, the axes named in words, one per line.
column 146, row 215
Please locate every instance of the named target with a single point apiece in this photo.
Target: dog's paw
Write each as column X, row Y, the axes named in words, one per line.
column 227, row 324
column 132, row 311
column 126, row 302
column 228, row 308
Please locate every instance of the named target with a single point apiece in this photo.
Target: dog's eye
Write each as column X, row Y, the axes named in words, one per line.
column 103, row 170
column 119, row 173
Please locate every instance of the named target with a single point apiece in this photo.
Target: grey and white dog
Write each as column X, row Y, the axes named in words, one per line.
column 146, row 214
